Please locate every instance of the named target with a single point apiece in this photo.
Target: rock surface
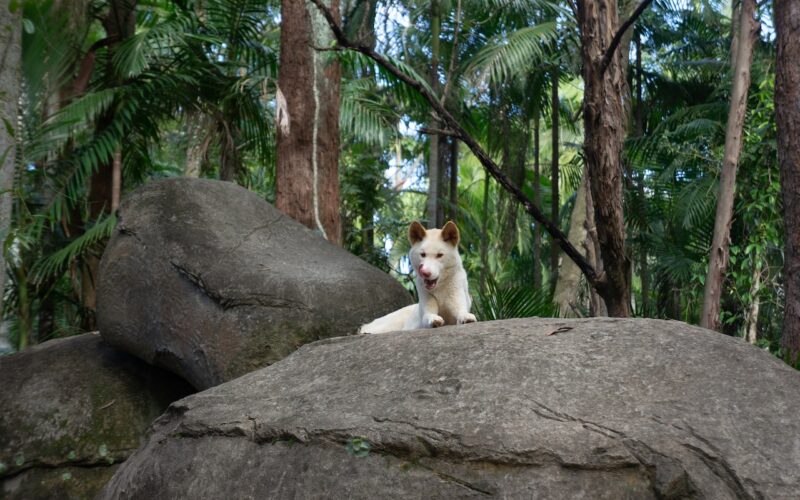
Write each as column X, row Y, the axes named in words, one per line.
column 607, row 408
column 72, row 409
column 208, row 280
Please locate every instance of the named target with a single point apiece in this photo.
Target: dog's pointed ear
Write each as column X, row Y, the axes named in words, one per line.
column 416, row 233
column 450, row 233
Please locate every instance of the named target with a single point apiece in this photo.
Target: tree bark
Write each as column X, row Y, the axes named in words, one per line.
column 433, row 145
column 787, row 118
column 10, row 61
column 230, row 158
column 639, row 127
column 604, row 131
column 554, row 191
column 484, row 251
column 537, row 200
column 568, row 287
column 751, row 317
column 197, row 144
column 453, row 164
column 307, row 166
column 718, row 259
column 116, row 180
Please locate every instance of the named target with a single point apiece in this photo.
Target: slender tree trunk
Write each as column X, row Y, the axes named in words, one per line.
column 639, row 117
column 10, row 60
column 787, row 118
column 751, row 326
column 116, row 180
column 443, row 184
column 195, row 151
column 484, row 236
column 453, row 163
column 47, row 313
column 230, row 159
column 433, row 145
column 597, row 306
column 639, row 120
column 568, row 287
column 24, row 311
column 644, row 268
column 554, row 191
column 537, row 200
column 718, row 259
column 604, row 131
column 307, row 166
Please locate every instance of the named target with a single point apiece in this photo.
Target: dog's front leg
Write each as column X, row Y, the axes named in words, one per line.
column 461, row 309
column 429, row 312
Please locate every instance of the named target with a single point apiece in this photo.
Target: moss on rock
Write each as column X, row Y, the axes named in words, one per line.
column 75, row 403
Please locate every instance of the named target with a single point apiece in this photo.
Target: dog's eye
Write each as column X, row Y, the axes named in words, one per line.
column 422, row 255
column 439, row 255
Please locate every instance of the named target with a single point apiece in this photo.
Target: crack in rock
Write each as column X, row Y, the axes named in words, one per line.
column 226, row 303
column 723, row 470
column 114, row 457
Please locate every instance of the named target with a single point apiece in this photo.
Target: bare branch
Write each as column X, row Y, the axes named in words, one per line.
column 438, row 131
column 612, row 47
column 491, row 167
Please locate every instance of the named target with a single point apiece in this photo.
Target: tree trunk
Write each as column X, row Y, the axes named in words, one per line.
column 443, row 184
column 307, row 166
column 597, row 306
column 484, row 236
column 554, row 201
column 751, row 324
column 433, row 144
column 644, row 268
column 537, row 200
column 787, row 118
column 568, row 287
column 453, row 163
column 230, row 158
column 47, row 318
column 116, row 180
column 604, row 132
column 639, row 124
column 10, row 60
column 718, row 259
column 197, row 144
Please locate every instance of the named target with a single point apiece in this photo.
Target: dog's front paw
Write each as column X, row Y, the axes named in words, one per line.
column 466, row 318
column 433, row 320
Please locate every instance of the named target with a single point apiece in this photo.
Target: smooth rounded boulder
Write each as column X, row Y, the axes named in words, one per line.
column 72, row 410
column 208, row 280
column 533, row 408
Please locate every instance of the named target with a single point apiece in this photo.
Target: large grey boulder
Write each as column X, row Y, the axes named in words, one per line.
column 72, row 410
column 602, row 408
column 208, row 280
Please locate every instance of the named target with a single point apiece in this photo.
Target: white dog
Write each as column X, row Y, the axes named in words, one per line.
column 441, row 284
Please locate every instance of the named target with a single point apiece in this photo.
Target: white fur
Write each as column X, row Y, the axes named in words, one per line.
column 447, row 303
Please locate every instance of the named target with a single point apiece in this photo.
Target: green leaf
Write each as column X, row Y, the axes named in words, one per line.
column 358, row 447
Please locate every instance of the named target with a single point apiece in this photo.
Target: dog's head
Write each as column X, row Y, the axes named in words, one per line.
column 433, row 252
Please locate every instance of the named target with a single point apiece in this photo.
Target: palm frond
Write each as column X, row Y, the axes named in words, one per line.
column 55, row 264
column 513, row 300
column 507, row 56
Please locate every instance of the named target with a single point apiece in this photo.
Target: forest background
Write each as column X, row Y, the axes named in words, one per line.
column 594, row 166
